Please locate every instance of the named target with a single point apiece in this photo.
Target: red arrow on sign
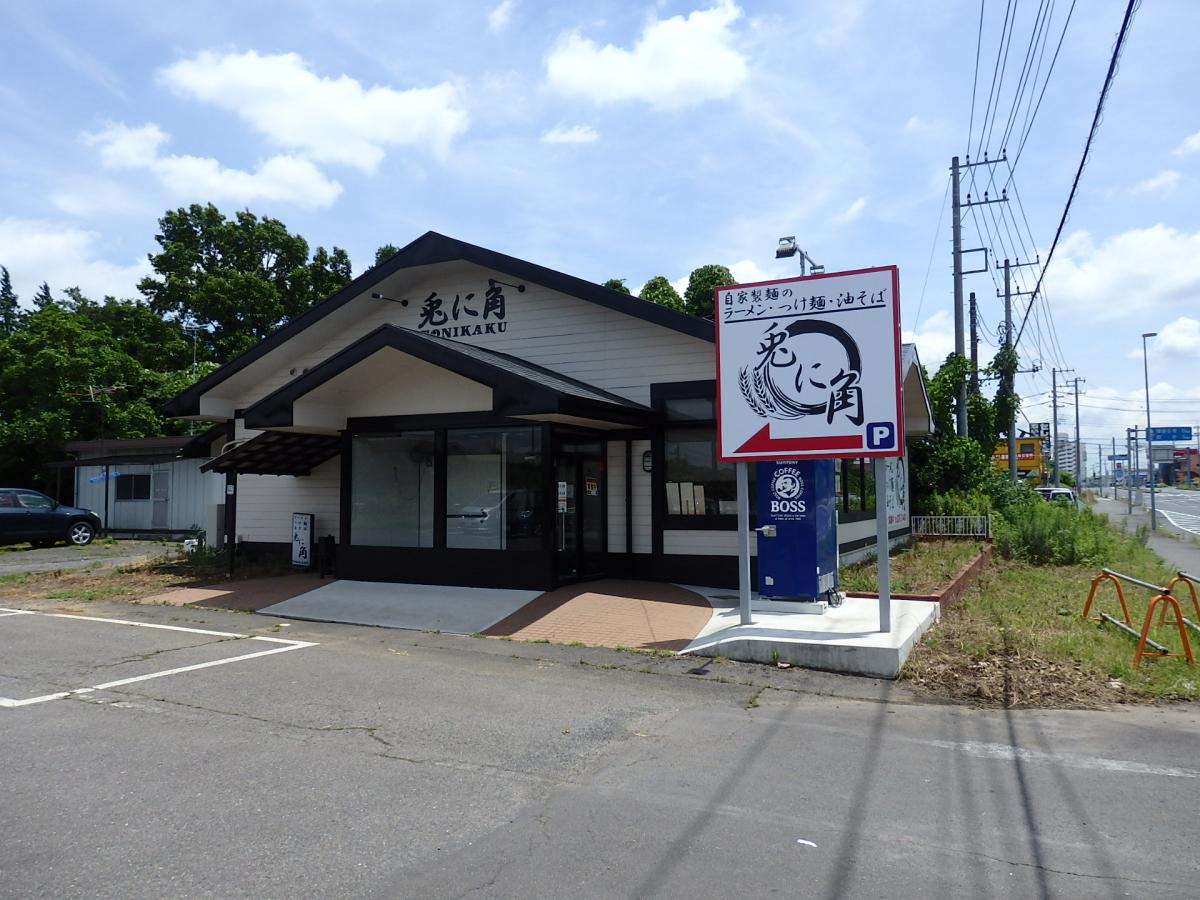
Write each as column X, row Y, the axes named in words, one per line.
column 762, row 442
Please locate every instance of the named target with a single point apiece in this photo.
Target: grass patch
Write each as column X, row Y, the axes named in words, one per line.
column 99, row 592
column 923, row 567
column 1016, row 637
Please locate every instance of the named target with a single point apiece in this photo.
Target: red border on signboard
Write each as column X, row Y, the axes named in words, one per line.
column 899, row 451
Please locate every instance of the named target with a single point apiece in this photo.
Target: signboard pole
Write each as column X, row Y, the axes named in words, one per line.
column 743, row 521
column 879, row 465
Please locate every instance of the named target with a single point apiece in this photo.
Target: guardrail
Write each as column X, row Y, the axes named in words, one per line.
column 952, row 526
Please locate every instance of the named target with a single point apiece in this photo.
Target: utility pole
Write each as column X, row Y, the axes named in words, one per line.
column 1112, row 467
column 1078, row 441
column 957, row 206
column 974, row 346
column 1128, row 473
column 1054, row 422
column 956, row 237
column 1008, row 336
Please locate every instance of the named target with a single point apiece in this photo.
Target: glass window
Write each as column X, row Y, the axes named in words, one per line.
column 392, row 490
column 856, row 489
column 134, row 487
column 690, row 410
column 494, row 488
column 696, row 483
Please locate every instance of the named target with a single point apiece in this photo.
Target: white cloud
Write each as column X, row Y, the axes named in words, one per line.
column 1190, row 144
column 934, row 339
column 852, row 212
column 576, row 134
column 747, row 270
column 327, row 119
column 1179, row 339
column 1163, row 182
column 35, row 251
column 500, row 15
column 286, row 179
column 1129, row 274
column 676, row 63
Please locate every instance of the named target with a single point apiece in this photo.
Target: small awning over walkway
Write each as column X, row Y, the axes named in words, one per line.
column 276, row 453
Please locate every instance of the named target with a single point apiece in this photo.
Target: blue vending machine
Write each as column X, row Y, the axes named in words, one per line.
column 797, row 531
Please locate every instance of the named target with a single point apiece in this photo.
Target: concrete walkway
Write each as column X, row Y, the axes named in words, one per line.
column 611, row 613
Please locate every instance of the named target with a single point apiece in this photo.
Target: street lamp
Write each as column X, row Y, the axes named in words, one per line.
column 788, row 248
column 1149, row 443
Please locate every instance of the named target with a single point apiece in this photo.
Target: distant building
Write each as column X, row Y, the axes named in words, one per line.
column 1031, row 463
column 1066, row 453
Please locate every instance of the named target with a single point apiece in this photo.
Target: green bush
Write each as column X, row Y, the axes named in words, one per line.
column 1054, row 534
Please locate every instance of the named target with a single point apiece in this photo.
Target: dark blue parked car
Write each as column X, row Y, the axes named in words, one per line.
column 26, row 515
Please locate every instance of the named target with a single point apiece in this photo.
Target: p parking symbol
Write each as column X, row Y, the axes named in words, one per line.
column 881, row 435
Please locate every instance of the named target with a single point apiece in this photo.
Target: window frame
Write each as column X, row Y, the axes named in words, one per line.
column 133, row 482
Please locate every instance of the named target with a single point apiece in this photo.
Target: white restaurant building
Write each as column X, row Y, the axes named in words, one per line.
column 458, row 416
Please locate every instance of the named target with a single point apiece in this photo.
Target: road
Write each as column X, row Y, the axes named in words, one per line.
column 373, row 763
column 21, row 558
column 1180, row 508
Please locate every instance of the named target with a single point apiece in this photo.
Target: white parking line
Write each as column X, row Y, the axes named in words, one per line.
column 10, row 703
column 1183, row 521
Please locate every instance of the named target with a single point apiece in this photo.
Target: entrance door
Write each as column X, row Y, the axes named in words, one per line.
column 579, row 510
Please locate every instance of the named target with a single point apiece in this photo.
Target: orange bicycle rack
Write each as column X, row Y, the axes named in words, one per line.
column 1107, row 575
column 1162, row 596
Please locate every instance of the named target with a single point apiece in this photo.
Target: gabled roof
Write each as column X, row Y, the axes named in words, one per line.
column 429, row 249
column 178, row 446
column 520, row 388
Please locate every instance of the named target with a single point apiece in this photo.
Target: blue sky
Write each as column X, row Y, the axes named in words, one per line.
column 630, row 140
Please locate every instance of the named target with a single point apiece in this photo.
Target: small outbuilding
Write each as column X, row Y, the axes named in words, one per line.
column 459, row 416
column 150, row 487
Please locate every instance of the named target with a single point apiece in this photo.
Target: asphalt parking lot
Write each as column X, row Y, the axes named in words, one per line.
column 366, row 762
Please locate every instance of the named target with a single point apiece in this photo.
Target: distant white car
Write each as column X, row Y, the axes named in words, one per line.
column 1051, row 494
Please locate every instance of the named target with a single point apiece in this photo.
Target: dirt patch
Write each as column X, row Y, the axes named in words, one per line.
column 1011, row 679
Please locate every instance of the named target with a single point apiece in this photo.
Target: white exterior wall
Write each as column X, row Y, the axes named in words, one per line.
column 189, row 493
column 642, row 481
column 265, row 503
column 617, row 478
column 583, row 340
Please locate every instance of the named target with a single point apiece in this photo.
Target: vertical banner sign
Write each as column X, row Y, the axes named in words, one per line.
column 302, row 537
column 810, row 367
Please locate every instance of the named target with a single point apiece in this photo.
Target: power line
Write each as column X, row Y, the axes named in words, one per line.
column 932, row 250
column 1108, row 79
column 975, row 79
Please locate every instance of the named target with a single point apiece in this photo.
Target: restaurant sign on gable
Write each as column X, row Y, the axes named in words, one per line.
column 466, row 313
column 810, row 367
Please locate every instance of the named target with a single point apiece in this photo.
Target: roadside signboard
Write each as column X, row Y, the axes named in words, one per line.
column 302, row 538
column 1113, row 457
column 810, row 367
column 1174, row 433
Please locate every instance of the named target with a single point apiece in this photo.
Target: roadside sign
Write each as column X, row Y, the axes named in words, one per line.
column 1113, row 457
column 302, row 538
column 810, row 367
column 1174, row 433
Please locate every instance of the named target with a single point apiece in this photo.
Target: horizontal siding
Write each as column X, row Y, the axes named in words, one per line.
column 705, row 543
column 583, row 340
column 266, row 503
column 616, row 497
column 642, row 526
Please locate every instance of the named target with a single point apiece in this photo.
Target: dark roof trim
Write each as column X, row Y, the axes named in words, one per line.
column 276, row 453
column 429, row 249
column 514, row 394
column 186, row 446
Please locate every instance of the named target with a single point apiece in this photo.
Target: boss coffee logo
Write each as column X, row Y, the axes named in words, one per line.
column 786, row 489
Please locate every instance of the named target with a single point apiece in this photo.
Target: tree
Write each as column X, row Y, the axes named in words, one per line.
column 698, row 298
column 385, row 252
column 617, row 284
column 659, row 290
column 64, row 377
column 10, row 311
column 42, row 298
column 236, row 279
